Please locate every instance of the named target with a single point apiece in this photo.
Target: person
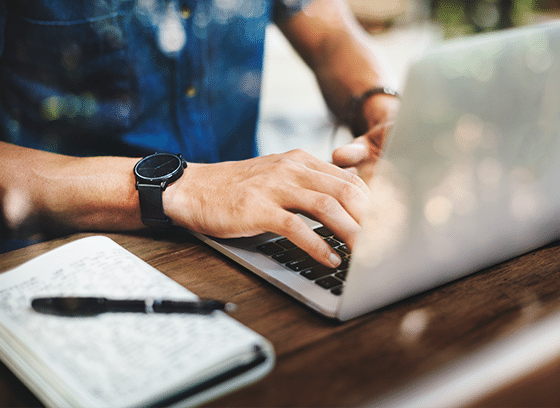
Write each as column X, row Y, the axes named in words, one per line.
column 88, row 88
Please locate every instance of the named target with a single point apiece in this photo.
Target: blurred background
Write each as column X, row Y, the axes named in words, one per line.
column 456, row 17
column 293, row 114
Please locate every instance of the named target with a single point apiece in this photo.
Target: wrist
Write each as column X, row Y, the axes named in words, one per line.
column 379, row 108
column 154, row 174
column 374, row 106
column 180, row 200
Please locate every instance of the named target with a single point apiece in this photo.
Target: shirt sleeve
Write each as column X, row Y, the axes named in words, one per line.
column 285, row 9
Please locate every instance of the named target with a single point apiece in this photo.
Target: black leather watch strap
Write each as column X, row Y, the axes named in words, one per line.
column 151, row 206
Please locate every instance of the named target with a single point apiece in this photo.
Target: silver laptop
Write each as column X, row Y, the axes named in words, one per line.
column 471, row 177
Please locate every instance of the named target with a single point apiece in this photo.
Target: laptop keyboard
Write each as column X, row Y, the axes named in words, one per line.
column 295, row 259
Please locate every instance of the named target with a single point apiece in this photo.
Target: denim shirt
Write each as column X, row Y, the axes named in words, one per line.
column 129, row 77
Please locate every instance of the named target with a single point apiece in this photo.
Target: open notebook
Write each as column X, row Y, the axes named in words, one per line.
column 471, row 177
column 119, row 359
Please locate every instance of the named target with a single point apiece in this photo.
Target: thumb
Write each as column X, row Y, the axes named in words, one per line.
column 350, row 155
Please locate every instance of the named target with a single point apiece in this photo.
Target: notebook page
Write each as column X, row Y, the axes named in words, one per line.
column 115, row 359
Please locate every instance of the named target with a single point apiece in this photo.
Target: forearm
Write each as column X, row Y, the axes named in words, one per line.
column 42, row 191
column 328, row 38
column 349, row 70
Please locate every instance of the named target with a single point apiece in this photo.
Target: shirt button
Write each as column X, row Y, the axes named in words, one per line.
column 185, row 12
column 190, row 92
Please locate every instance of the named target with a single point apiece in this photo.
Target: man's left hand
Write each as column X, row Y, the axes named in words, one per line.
column 360, row 156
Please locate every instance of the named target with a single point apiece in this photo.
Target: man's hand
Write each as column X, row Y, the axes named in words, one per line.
column 245, row 198
column 346, row 63
column 360, row 156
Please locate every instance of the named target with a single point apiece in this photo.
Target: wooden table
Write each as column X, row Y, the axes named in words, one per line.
column 324, row 363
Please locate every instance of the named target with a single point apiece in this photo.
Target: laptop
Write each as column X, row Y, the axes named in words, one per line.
column 470, row 178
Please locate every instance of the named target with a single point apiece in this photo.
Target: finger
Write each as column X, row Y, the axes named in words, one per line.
column 350, row 155
column 311, row 162
column 353, row 170
column 316, row 190
column 366, row 172
column 364, row 148
column 297, row 231
column 378, row 134
column 327, row 210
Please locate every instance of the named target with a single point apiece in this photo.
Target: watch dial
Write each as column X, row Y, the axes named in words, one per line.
column 158, row 166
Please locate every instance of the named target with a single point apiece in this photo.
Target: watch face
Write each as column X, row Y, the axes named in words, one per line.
column 159, row 165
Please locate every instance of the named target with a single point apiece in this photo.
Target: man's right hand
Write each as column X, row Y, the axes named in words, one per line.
column 246, row 198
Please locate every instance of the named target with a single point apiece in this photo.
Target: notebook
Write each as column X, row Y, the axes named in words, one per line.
column 119, row 359
column 470, row 176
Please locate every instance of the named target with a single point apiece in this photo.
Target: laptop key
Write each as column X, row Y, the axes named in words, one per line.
column 344, row 249
column 344, row 265
column 341, row 275
column 302, row 264
column 323, row 231
column 289, row 255
column 270, row 248
column 332, row 242
column 328, row 282
column 317, row 272
column 285, row 243
column 340, row 253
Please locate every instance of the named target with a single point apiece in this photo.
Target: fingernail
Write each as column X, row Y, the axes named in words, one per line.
column 355, row 152
column 335, row 259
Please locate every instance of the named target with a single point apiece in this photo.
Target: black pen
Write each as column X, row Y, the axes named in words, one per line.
column 91, row 306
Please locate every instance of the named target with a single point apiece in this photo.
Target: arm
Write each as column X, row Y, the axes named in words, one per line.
column 230, row 199
column 42, row 192
column 330, row 41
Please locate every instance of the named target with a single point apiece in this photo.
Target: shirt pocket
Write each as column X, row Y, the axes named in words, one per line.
column 68, row 54
column 75, row 72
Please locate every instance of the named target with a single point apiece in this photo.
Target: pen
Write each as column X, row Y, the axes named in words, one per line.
column 91, row 306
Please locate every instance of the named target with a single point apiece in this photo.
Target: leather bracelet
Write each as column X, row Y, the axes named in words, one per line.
column 357, row 105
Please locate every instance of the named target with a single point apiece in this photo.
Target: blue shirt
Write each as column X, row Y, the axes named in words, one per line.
column 129, row 77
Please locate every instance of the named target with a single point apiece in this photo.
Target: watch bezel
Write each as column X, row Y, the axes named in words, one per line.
column 164, row 180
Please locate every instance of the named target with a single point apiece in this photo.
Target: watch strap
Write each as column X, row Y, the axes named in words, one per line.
column 151, row 205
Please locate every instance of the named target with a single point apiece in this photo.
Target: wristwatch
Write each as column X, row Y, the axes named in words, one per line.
column 153, row 174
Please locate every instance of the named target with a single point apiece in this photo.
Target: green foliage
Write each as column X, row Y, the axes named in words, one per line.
column 464, row 17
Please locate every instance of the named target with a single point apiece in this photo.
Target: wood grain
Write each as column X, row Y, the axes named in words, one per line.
column 321, row 362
